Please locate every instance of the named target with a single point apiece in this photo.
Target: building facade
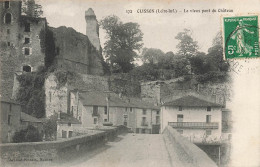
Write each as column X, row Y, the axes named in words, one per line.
column 21, row 44
column 10, row 120
column 197, row 119
column 14, row 120
column 96, row 109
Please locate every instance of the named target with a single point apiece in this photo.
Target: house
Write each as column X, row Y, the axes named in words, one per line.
column 10, row 119
column 195, row 118
column 97, row 109
column 147, row 116
column 67, row 126
column 226, row 124
column 27, row 120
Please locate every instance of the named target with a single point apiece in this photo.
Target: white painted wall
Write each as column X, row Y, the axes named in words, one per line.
column 193, row 114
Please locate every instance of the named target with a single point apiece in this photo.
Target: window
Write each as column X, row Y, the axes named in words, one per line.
column 7, row 4
column 95, row 111
column 69, row 124
column 8, row 31
column 180, row 131
column 70, row 133
column 8, row 18
column 27, row 51
column 157, row 119
column 9, row 119
column 180, row 108
column 27, row 69
column 50, row 96
column 26, row 40
column 208, row 118
column 144, row 111
column 105, row 120
column 95, row 120
column 208, row 108
column 179, row 118
column 157, row 112
column 105, row 110
column 144, row 121
column 27, row 27
column 208, row 132
column 131, row 109
column 8, row 43
column 10, row 108
column 79, row 118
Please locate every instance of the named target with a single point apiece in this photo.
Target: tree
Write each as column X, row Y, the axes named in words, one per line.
column 187, row 46
column 215, row 55
column 124, row 40
column 50, row 127
column 151, row 55
column 30, row 134
column 30, row 8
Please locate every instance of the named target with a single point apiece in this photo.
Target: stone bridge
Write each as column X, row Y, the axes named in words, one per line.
column 150, row 150
column 135, row 150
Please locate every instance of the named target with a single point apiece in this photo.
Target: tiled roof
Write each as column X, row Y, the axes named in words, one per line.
column 66, row 118
column 138, row 103
column 28, row 118
column 191, row 101
column 100, row 99
column 8, row 100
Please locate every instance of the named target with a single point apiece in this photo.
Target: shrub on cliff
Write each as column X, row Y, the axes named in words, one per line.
column 30, row 134
column 50, row 128
column 31, row 92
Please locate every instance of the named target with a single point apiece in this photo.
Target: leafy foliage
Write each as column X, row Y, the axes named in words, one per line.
column 30, row 134
column 30, row 8
column 31, row 92
column 50, row 128
column 124, row 40
column 188, row 61
column 47, row 46
column 187, row 46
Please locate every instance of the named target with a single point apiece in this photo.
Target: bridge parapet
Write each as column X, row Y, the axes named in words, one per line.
column 187, row 151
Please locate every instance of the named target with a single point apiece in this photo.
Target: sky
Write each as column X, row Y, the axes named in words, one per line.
column 160, row 29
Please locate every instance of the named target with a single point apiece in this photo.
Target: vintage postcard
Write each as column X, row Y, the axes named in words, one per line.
column 117, row 83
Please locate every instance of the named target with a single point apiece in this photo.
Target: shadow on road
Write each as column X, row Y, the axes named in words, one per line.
column 85, row 155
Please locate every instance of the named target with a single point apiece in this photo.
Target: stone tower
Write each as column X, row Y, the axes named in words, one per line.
column 92, row 30
column 10, row 14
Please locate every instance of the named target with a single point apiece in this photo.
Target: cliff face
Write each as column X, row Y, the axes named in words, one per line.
column 76, row 53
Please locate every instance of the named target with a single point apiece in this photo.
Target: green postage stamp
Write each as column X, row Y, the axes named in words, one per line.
column 241, row 37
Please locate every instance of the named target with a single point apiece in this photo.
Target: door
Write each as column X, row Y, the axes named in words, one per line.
column 70, row 133
column 156, row 129
column 64, row 134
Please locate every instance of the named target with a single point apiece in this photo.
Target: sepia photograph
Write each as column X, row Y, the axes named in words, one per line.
column 118, row 83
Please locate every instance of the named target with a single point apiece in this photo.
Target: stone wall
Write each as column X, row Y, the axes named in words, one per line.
column 125, row 84
column 76, row 53
column 56, row 150
column 58, row 95
column 163, row 91
column 188, row 153
column 7, row 130
column 9, row 46
column 36, row 57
